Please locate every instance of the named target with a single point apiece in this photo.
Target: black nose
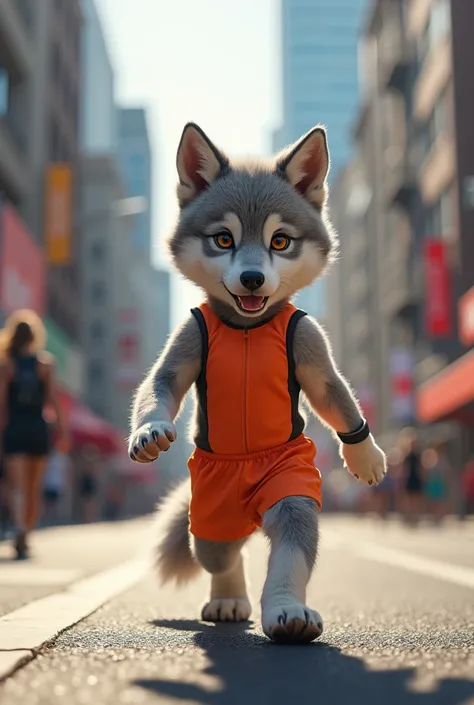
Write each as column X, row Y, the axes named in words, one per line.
column 252, row 280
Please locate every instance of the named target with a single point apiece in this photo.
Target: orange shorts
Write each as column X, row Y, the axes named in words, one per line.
column 231, row 493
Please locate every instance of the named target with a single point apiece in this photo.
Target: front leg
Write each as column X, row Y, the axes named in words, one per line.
column 331, row 399
column 159, row 397
column 292, row 527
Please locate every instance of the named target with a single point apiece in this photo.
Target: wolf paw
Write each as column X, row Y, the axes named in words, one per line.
column 226, row 610
column 146, row 444
column 292, row 624
column 366, row 461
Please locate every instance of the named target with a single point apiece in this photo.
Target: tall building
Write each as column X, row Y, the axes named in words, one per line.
column 110, row 326
column 39, row 107
column 319, row 72
column 416, row 156
column 152, row 285
column 16, row 70
column 319, row 42
column 134, row 154
column 98, row 116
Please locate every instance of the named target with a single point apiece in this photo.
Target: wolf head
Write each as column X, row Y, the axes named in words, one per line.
column 251, row 235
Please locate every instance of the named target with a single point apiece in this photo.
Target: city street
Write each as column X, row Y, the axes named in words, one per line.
column 398, row 608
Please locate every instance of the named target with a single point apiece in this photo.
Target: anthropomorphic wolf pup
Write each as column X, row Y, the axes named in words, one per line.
column 250, row 236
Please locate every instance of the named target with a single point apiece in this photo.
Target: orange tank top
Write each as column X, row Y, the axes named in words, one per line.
column 247, row 392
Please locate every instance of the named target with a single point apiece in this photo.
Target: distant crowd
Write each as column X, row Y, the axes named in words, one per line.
column 422, row 483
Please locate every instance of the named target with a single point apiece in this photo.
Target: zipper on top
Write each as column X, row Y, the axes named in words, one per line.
column 246, row 365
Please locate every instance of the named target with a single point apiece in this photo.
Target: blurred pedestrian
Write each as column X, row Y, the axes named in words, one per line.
column 88, row 483
column 27, row 386
column 436, row 482
column 412, row 476
column 4, row 508
column 384, row 496
column 467, row 480
column 55, row 481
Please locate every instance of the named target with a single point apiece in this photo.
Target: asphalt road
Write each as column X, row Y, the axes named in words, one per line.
column 398, row 606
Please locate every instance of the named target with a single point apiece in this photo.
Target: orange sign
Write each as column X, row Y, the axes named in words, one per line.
column 58, row 210
column 466, row 318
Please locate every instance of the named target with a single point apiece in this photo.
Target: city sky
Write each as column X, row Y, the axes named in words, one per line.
column 213, row 62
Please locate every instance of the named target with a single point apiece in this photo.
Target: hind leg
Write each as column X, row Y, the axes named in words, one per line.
column 228, row 600
column 292, row 527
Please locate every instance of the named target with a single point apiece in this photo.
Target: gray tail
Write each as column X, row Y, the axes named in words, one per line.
column 174, row 558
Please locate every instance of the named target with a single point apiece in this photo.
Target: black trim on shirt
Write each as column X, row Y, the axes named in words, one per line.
column 202, row 432
column 294, row 389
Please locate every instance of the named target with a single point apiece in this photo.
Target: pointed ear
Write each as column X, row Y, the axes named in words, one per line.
column 306, row 166
column 198, row 162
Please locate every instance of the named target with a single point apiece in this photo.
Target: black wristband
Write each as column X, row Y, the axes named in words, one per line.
column 356, row 436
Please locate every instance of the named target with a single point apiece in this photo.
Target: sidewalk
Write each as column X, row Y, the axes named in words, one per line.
column 63, row 555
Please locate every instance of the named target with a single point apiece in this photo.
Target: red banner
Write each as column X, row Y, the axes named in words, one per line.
column 438, row 319
column 22, row 265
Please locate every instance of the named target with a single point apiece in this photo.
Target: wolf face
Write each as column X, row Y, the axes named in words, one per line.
column 251, row 235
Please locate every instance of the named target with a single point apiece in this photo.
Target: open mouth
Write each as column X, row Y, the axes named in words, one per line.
column 251, row 303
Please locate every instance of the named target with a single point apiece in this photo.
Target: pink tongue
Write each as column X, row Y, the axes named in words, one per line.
column 251, row 303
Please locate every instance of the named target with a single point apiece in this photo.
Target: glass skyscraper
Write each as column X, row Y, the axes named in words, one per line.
column 319, row 43
column 134, row 156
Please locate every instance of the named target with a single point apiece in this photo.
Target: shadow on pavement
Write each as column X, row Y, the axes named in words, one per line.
column 253, row 671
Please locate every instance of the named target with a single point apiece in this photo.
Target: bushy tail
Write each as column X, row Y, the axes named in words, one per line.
column 174, row 559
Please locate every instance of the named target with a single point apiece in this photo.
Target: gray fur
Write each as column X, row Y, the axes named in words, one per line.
column 215, row 187
column 161, row 393
column 218, row 556
column 174, row 559
column 293, row 522
column 324, row 387
column 252, row 203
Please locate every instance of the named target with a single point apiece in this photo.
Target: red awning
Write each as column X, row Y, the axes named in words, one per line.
column 447, row 393
column 88, row 428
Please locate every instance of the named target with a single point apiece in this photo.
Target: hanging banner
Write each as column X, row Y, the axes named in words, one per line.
column 438, row 320
column 58, row 214
column 22, row 265
column 402, row 380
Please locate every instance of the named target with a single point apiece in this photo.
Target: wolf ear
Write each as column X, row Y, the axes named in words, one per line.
column 198, row 162
column 306, row 165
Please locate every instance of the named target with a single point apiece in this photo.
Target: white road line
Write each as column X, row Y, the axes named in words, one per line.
column 26, row 575
column 440, row 570
column 457, row 574
column 23, row 632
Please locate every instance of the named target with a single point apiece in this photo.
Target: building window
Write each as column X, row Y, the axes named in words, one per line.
column 439, row 217
column 437, row 26
column 97, row 251
column 97, row 331
column 98, row 293
column 4, row 91
column 436, row 124
column 96, row 374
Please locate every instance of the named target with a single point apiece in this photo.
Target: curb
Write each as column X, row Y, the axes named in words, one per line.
column 25, row 631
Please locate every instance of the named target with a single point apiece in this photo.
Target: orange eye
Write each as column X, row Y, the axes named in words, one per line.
column 224, row 240
column 280, row 243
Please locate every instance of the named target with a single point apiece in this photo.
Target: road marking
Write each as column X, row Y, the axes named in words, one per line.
column 25, row 631
column 448, row 572
column 27, row 575
column 457, row 574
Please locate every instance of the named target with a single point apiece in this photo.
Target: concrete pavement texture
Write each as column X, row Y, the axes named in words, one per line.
column 395, row 633
column 62, row 555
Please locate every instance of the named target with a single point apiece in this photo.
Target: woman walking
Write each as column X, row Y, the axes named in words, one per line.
column 27, row 386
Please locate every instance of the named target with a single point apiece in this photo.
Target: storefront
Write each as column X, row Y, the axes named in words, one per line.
column 450, row 394
column 22, row 285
